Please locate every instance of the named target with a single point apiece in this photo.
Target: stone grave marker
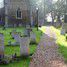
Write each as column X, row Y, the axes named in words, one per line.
column 15, row 35
column 62, row 31
column 32, row 37
column 24, row 46
column 27, row 32
column 27, row 26
column 20, row 25
column 64, row 28
column 15, row 25
column 1, row 44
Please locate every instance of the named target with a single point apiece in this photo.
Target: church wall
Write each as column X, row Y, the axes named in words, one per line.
column 12, row 6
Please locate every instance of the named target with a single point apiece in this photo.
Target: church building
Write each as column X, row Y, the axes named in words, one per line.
column 17, row 12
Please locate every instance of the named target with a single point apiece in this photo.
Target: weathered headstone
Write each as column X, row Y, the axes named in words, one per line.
column 27, row 26
column 63, row 31
column 32, row 37
column 20, row 25
column 27, row 32
column 13, row 33
column 64, row 28
column 24, row 46
column 1, row 44
column 15, row 25
column 16, row 36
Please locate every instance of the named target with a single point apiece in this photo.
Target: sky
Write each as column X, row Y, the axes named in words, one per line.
column 1, row 0
column 55, row 1
column 1, row 4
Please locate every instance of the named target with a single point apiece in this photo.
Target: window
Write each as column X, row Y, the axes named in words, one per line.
column 19, row 14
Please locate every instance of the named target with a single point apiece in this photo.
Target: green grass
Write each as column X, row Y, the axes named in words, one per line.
column 9, row 50
column 61, row 41
column 21, row 63
column 38, row 34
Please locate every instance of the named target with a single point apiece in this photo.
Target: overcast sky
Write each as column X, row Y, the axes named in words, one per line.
column 1, row 0
column 55, row 1
column 1, row 4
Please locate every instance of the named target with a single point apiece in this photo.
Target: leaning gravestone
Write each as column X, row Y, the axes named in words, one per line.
column 32, row 37
column 1, row 44
column 24, row 46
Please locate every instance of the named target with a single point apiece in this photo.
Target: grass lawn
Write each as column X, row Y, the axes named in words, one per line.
column 9, row 50
column 61, row 41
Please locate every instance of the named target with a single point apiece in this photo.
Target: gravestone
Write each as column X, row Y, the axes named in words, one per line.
column 20, row 25
column 32, row 37
column 64, row 28
column 27, row 32
column 62, row 31
column 15, row 35
column 27, row 26
column 15, row 25
column 1, row 44
column 24, row 46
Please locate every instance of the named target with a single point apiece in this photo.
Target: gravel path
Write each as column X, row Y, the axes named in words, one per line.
column 47, row 54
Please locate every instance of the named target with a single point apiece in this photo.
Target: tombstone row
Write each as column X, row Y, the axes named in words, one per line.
column 22, row 41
